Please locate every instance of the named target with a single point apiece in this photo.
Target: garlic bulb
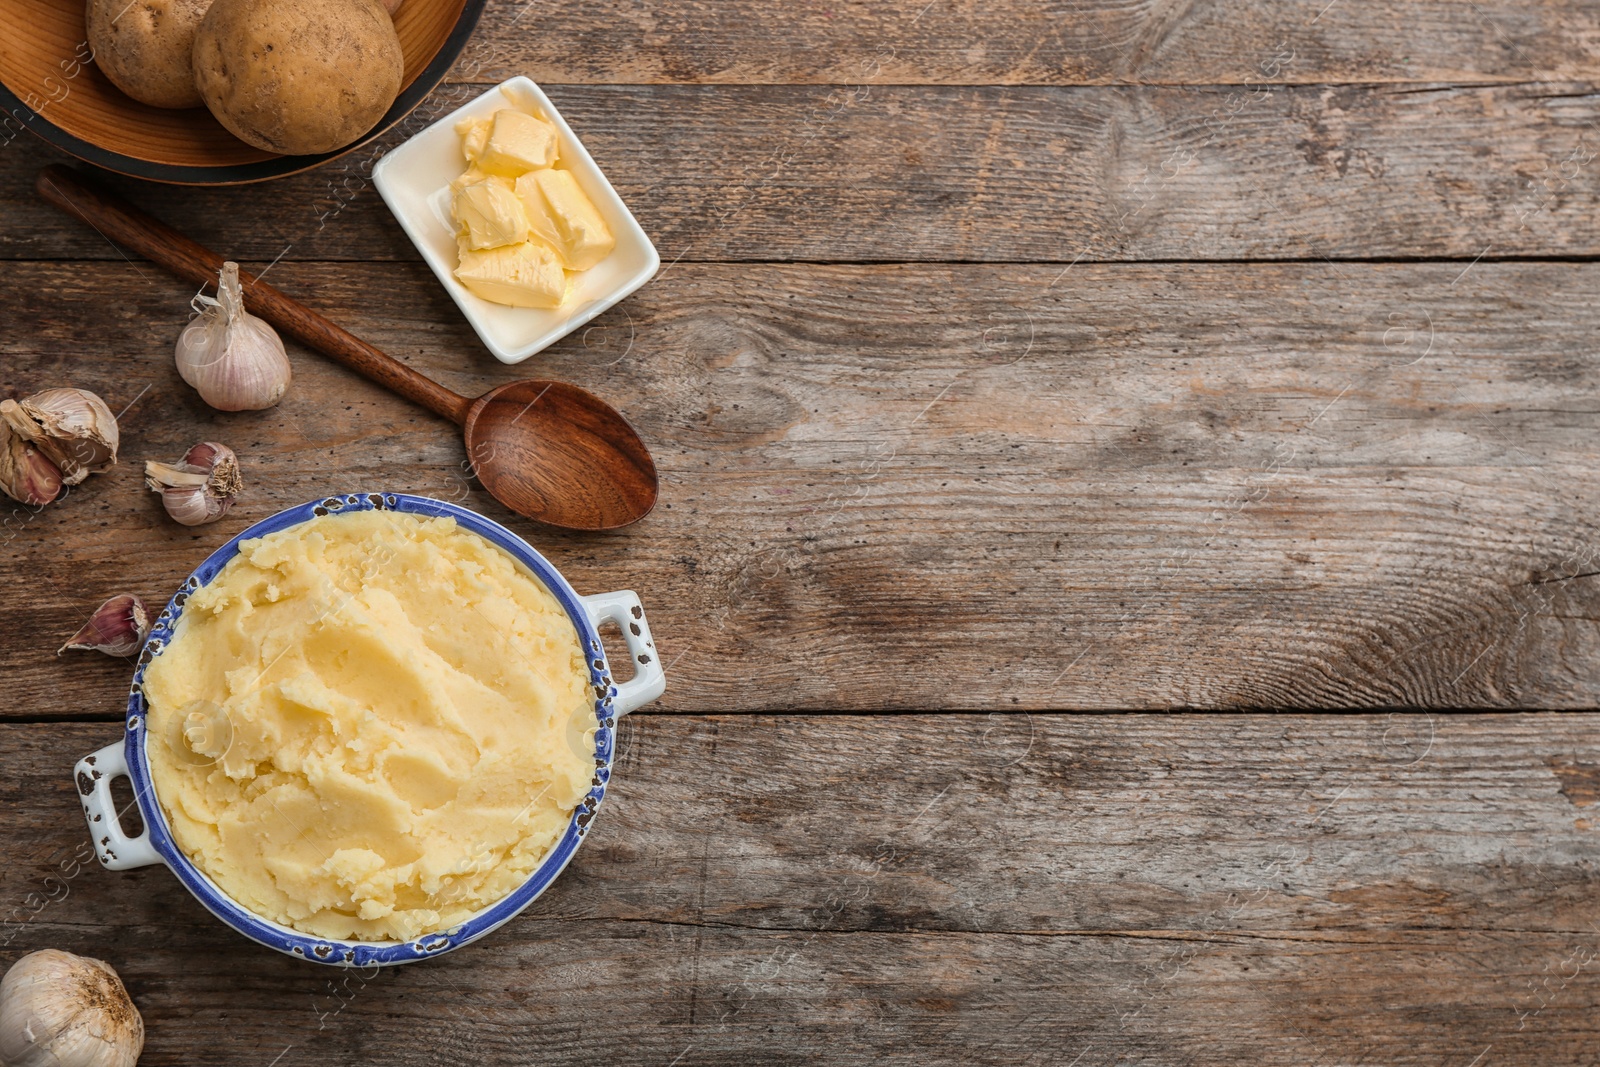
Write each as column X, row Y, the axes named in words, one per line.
column 234, row 360
column 61, row 1010
column 118, row 627
column 26, row 474
column 200, row 487
column 72, row 427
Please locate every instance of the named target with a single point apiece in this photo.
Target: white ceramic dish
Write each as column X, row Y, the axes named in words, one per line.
column 414, row 180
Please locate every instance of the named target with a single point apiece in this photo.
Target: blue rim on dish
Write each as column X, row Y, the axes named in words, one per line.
column 364, row 953
column 244, row 173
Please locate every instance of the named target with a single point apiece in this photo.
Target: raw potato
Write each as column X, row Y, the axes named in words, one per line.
column 298, row 76
column 144, row 47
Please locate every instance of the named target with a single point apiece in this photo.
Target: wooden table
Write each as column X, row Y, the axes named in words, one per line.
column 1010, row 361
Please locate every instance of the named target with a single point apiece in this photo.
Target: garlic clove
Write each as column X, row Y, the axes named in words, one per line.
column 161, row 476
column 118, row 627
column 26, row 474
column 61, row 1010
column 220, row 461
column 191, row 506
column 72, row 427
column 200, row 487
column 234, row 360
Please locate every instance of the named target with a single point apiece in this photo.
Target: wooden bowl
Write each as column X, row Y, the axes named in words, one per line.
column 49, row 84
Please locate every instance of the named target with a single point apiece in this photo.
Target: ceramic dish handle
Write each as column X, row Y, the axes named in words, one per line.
column 649, row 679
column 116, row 849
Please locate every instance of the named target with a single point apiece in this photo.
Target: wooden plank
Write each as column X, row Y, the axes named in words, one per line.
column 1286, row 889
column 1204, row 42
column 1014, row 42
column 944, row 487
column 999, row 175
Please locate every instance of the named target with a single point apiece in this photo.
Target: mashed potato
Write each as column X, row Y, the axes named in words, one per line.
column 370, row 725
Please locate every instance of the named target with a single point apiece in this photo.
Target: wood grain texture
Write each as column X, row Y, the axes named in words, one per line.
column 947, row 42
column 944, row 487
column 900, row 173
column 966, row 394
column 1288, row 889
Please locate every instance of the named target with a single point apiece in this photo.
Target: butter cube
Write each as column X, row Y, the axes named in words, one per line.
column 526, row 275
column 558, row 211
column 474, row 135
column 490, row 215
column 517, row 143
column 468, row 177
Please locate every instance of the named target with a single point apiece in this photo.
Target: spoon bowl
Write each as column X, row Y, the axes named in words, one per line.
column 528, row 441
column 548, row 450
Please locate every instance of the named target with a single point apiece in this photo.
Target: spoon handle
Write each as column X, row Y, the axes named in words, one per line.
column 126, row 225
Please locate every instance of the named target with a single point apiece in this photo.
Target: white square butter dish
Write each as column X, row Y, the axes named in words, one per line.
column 414, row 180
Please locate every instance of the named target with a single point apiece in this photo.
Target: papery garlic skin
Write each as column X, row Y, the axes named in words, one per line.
column 191, row 506
column 26, row 474
column 199, row 488
column 118, row 628
column 61, row 1010
column 234, row 360
column 73, row 428
column 219, row 462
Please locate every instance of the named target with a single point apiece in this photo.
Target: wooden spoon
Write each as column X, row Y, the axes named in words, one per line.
column 547, row 450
